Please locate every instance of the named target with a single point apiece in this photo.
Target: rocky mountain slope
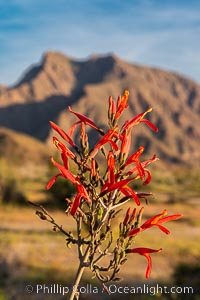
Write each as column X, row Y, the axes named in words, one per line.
column 46, row 89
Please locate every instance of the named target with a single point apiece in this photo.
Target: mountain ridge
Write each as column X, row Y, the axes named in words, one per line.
column 47, row 88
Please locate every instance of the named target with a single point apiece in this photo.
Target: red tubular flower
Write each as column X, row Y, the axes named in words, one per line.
column 65, row 172
column 156, row 221
column 149, row 161
column 107, row 138
column 82, row 193
column 135, row 156
column 146, row 253
column 111, row 167
column 159, row 219
column 112, row 108
column 52, row 181
column 81, row 190
column 116, row 185
column 140, row 168
column 73, row 127
column 85, row 119
column 138, row 119
column 132, row 217
column 75, row 204
column 110, row 183
column 122, row 104
column 127, row 216
column 128, row 191
column 63, row 134
column 93, row 170
column 84, row 138
column 148, row 179
column 65, row 152
column 122, row 187
column 126, row 144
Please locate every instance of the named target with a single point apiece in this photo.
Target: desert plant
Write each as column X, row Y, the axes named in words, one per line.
column 102, row 192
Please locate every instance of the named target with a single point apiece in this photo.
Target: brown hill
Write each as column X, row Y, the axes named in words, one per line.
column 24, row 165
column 48, row 88
column 21, row 149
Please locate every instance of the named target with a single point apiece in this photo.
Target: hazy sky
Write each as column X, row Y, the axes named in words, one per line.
column 161, row 33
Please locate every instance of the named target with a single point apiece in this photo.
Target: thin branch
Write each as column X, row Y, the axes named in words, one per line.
column 79, row 238
column 105, row 251
column 51, row 219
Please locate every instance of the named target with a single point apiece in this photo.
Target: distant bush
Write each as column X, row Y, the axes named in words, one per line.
column 4, row 271
column 188, row 275
column 60, row 191
column 10, row 192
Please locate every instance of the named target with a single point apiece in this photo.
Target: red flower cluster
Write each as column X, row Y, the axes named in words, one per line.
column 111, row 189
column 155, row 221
column 113, row 136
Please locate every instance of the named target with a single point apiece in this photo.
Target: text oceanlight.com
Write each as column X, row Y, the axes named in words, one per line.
column 60, row 289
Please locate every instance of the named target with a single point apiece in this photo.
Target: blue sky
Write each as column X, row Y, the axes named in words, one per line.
column 165, row 34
